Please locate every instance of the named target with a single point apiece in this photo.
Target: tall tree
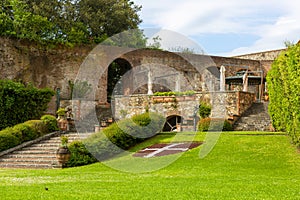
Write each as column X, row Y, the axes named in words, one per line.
column 67, row 21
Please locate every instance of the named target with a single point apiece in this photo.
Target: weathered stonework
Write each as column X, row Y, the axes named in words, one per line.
column 224, row 104
column 54, row 68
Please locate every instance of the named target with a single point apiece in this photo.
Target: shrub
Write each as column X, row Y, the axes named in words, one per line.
column 204, row 110
column 19, row 103
column 123, row 134
column 39, row 127
column 50, row 122
column 26, row 132
column 214, row 124
column 7, row 140
column 30, row 130
column 79, row 155
column 284, row 91
column 171, row 93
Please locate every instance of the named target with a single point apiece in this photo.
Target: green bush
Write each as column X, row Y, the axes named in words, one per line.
column 7, row 140
column 101, row 147
column 79, row 155
column 19, row 103
column 171, row 93
column 214, row 124
column 39, row 127
column 123, row 134
column 284, row 90
column 51, row 122
column 204, row 110
column 26, row 132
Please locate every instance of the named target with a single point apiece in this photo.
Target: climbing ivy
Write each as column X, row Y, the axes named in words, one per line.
column 284, row 90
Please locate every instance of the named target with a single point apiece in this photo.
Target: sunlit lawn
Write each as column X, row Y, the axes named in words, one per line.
column 239, row 167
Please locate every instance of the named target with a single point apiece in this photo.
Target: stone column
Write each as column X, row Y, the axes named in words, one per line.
column 150, row 86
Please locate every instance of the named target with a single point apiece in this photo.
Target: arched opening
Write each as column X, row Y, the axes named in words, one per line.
column 115, row 71
column 173, row 123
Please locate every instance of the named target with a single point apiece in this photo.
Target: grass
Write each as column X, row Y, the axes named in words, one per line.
column 241, row 166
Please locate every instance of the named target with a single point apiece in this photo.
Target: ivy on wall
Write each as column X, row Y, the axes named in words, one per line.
column 284, row 91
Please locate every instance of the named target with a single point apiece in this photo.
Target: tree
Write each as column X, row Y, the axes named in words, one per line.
column 67, row 21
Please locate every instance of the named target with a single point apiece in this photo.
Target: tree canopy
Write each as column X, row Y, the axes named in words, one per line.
column 67, row 21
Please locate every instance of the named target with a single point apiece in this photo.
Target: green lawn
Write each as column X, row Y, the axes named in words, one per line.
column 239, row 167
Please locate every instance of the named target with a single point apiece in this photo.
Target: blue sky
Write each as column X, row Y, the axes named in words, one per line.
column 226, row 28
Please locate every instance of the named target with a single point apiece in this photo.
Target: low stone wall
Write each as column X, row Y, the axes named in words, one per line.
column 224, row 104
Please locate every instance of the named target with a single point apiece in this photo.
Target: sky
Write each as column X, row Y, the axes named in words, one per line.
column 225, row 28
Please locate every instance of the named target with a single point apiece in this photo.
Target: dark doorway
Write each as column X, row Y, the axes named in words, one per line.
column 115, row 72
column 172, row 123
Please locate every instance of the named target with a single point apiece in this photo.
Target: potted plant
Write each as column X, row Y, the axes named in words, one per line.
column 63, row 153
column 61, row 119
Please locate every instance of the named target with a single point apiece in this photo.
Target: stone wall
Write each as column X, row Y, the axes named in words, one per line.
column 54, row 68
column 266, row 55
column 224, row 104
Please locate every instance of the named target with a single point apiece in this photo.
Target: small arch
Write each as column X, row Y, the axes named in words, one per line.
column 172, row 123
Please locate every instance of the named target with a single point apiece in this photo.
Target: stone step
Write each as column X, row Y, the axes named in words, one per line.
column 30, row 160
column 27, row 165
column 256, row 118
column 41, row 148
column 31, row 156
column 41, row 155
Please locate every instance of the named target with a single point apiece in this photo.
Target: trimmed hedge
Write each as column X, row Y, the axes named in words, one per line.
column 51, row 122
column 284, row 91
column 19, row 103
column 30, row 130
column 79, row 155
column 214, row 124
column 116, row 138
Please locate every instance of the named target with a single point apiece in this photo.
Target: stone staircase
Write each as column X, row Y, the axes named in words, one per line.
column 40, row 155
column 256, row 118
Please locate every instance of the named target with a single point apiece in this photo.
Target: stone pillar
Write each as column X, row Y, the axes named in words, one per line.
column 150, row 86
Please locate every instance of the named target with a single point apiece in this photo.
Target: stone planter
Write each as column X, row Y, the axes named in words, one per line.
column 63, row 155
column 169, row 99
column 158, row 99
column 62, row 124
column 189, row 98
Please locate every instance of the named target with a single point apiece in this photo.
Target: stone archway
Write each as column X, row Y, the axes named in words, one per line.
column 116, row 70
column 173, row 123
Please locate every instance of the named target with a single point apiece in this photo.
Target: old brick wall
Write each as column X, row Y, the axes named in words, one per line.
column 55, row 67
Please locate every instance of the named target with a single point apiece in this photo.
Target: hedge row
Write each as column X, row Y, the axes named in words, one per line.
column 284, row 91
column 115, row 139
column 214, row 124
column 29, row 130
column 20, row 103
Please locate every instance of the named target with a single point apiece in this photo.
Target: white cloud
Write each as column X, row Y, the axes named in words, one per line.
column 273, row 21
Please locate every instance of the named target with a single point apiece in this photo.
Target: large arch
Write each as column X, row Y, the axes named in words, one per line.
column 116, row 70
